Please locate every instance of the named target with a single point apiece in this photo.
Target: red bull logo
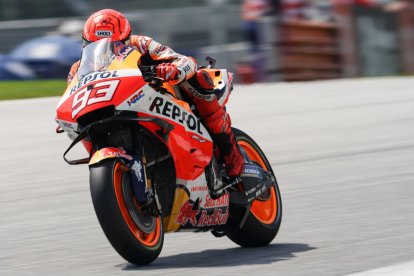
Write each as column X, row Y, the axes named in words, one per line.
column 187, row 214
column 201, row 217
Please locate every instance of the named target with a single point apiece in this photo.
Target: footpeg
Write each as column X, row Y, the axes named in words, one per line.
column 228, row 184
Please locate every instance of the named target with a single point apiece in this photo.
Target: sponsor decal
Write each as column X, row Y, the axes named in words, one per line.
column 116, row 152
column 206, row 97
column 252, row 170
column 217, row 218
column 160, row 49
column 187, row 214
column 172, row 111
column 124, row 31
column 143, row 41
column 220, row 202
column 102, row 91
column 93, row 77
column 187, row 68
column 135, row 98
column 199, row 188
column 201, row 140
column 70, row 128
column 138, row 170
column 124, row 155
column 103, row 33
column 125, row 52
column 254, row 192
column 70, row 78
column 69, row 125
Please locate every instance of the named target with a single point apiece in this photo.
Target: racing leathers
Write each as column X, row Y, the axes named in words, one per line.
column 177, row 68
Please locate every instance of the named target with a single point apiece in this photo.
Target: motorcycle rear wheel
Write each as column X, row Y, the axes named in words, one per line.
column 137, row 238
column 265, row 215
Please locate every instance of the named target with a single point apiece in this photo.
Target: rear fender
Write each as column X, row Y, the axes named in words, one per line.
column 106, row 153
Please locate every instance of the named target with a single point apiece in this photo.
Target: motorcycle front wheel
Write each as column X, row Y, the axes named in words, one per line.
column 136, row 237
column 265, row 215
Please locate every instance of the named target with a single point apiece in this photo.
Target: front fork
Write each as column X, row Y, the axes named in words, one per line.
column 145, row 192
column 146, row 197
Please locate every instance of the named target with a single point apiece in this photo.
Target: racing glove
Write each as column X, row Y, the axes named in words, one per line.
column 168, row 71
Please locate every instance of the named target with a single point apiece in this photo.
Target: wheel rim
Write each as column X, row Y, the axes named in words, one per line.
column 147, row 238
column 264, row 210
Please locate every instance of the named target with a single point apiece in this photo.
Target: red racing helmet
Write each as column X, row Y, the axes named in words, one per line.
column 106, row 23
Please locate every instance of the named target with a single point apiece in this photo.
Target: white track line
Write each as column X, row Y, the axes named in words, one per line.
column 402, row 269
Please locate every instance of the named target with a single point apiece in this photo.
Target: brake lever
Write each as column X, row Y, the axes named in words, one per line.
column 150, row 75
column 148, row 71
column 154, row 81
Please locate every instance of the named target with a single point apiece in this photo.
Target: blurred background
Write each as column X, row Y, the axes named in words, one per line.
column 259, row 40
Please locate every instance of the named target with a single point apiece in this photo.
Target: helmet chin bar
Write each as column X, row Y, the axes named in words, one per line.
column 85, row 42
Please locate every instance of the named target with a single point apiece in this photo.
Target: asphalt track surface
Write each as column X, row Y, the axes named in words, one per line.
column 343, row 152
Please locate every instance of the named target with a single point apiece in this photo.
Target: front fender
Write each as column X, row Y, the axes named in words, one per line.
column 106, row 153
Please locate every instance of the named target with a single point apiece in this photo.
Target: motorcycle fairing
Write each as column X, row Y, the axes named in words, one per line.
column 97, row 90
column 71, row 128
column 191, row 155
column 124, row 63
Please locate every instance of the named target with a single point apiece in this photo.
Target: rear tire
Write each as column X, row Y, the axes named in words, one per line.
column 265, row 215
column 137, row 238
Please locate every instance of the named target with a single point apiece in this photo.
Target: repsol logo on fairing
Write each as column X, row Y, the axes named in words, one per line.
column 93, row 77
column 166, row 108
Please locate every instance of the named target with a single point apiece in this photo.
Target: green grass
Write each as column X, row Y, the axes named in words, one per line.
column 10, row 90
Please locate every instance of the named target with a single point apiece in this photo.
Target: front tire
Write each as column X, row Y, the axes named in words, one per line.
column 137, row 238
column 265, row 215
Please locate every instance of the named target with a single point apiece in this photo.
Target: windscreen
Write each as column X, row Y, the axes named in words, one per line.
column 98, row 55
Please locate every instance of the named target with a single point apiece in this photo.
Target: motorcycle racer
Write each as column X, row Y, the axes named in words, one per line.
column 176, row 69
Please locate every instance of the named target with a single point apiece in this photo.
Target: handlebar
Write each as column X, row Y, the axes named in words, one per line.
column 150, row 75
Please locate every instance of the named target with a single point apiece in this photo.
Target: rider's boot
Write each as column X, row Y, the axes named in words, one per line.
column 219, row 125
column 217, row 121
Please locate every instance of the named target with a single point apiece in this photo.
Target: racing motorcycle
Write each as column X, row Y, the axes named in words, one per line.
column 152, row 163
